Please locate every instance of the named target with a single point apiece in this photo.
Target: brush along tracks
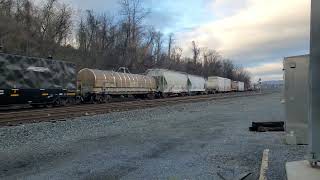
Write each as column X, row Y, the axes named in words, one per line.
column 61, row 113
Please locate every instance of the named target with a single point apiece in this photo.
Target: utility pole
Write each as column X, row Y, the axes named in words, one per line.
column 314, row 85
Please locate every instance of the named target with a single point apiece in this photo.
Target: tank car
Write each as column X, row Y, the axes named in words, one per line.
column 36, row 81
column 99, row 86
column 169, row 82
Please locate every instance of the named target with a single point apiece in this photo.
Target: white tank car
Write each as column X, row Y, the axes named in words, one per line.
column 169, row 82
column 196, row 84
column 114, row 83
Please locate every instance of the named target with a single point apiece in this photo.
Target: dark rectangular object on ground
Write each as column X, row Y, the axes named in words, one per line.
column 267, row 126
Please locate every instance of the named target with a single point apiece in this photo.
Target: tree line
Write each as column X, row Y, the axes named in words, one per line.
column 103, row 41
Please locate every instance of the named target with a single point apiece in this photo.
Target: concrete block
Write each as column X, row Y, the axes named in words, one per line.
column 301, row 170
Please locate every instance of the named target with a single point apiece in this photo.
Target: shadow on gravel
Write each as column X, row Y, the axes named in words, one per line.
column 162, row 148
column 36, row 161
column 23, row 163
column 114, row 173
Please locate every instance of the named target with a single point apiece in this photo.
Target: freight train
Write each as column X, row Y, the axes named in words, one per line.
column 39, row 81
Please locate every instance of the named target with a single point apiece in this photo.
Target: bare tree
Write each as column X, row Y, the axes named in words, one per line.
column 170, row 44
column 195, row 52
column 158, row 46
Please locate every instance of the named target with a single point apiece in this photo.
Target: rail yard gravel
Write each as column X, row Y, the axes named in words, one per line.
column 185, row 141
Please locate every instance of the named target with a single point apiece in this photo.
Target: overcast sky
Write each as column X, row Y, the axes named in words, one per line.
column 256, row 34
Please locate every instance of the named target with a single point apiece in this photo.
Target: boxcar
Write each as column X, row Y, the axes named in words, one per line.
column 169, row 82
column 196, row 84
column 36, row 81
column 99, row 85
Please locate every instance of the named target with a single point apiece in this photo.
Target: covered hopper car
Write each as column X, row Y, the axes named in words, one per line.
column 227, row 85
column 169, row 82
column 215, row 84
column 218, row 84
column 196, row 85
column 240, row 86
column 35, row 81
column 237, row 86
column 234, row 86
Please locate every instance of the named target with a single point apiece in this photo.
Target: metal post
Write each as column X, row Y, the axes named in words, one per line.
column 314, row 84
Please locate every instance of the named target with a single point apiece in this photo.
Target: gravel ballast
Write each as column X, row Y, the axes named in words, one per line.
column 186, row 141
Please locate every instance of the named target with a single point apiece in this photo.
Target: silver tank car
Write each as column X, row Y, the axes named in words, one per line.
column 114, row 83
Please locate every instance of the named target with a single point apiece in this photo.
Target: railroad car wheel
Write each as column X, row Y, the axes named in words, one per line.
column 150, row 96
column 108, row 98
column 164, row 95
column 63, row 102
column 102, row 99
column 59, row 102
column 93, row 100
column 71, row 101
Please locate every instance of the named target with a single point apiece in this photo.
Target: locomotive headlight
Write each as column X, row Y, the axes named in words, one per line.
column 1, row 92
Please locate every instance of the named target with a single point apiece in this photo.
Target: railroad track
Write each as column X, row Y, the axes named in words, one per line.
column 61, row 113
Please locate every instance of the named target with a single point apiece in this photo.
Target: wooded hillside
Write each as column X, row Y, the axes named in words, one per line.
column 101, row 41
